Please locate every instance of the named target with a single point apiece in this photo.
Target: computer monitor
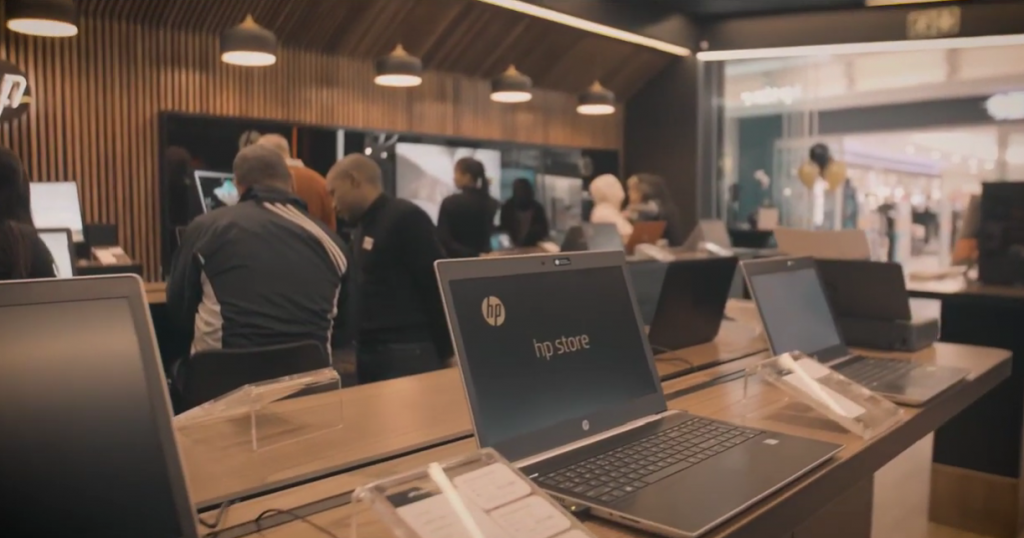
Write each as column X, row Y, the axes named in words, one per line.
column 62, row 249
column 56, row 205
column 216, row 190
column 88, row 447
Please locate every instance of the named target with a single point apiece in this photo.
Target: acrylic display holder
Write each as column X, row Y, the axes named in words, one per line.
column 848, row 404
column 271, row 413
column 476, row 496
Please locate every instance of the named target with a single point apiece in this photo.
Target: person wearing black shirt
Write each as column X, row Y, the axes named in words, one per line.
column 522, row 216
column 465, row 222
column 401, row 327
column 23, row 255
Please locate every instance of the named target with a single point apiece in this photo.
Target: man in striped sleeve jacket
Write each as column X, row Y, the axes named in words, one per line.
column 261, row 272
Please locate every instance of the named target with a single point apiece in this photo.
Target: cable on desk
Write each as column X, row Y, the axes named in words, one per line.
column 296, row 517
column 216, row 520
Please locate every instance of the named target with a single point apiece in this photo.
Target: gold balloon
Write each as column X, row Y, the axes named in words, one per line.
column 808, row 174
column 835, row 174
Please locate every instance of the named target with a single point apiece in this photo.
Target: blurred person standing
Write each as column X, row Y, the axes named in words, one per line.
column 400, row 324
column 466, row 219
column 650, row 200
column 309, row 185
column 523, row 217
column 23, row 255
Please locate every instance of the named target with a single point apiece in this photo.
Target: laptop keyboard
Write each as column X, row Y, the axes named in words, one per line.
column 624, row 471
column 868, row 371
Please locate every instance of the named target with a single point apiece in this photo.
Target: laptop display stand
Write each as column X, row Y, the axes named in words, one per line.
column 814, row 389
column 270, row 413
column 477, row 496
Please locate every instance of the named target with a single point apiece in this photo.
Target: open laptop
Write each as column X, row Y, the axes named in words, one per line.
column 824, row 244
column 715, row 233
column 599, row 236
column 691, row 303
column 561, row 381
column 61, row 245
column 865, row 289
column 797, row 317
column 93, row 452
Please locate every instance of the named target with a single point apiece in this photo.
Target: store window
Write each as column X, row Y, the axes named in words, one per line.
column 900, row 140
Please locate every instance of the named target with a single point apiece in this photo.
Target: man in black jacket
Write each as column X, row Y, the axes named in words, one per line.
column 401, row 327
column 259, row 273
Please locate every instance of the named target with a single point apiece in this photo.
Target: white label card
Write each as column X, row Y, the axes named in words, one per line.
column 492, row 486
column 435, row 518
column 532, row 517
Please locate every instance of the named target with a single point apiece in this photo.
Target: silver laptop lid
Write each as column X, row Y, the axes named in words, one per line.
column 551, row 348
column 794, row 309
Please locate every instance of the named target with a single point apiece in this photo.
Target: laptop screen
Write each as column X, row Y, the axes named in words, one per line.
column 550, row 347
column 81, row 432
column 795, row 311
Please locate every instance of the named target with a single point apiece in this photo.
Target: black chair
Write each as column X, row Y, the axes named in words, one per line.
column 210, row 374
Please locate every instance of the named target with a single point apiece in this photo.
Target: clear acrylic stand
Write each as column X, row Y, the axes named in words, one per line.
column 272, row 412
column 476, row 496
column 846, row 403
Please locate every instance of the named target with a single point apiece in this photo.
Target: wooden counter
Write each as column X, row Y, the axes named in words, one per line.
column 977, row 476
column 834, row 491
column 381, row 421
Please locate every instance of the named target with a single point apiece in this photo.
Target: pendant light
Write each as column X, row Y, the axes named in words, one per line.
column 248, row 44
column 596, row 101
column 399, row 69
column 48, row 18
column 511, row 87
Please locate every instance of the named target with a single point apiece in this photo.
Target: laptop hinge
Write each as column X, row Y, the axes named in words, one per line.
column 593, row 439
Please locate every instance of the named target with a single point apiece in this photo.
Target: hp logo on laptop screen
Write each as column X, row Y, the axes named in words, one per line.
column 494, row 311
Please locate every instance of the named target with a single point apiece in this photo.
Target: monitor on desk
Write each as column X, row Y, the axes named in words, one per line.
column 56, row 205
column 62, row 249
column 88, row 446
column 216, row 190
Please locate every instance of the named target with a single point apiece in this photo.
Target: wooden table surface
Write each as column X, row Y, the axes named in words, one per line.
column 761, row 406
column 420, row 411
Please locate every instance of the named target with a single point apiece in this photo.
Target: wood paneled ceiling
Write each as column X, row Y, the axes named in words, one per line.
column 459, row 36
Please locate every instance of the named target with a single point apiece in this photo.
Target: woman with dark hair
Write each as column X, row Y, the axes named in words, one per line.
column 649, row 199
column 522, row 216
column 466, row 219
column 23, row 255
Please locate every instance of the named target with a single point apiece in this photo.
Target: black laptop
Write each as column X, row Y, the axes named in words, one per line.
column 797, row 317
column 691, row 303
column 866, row 289
column 561, row 381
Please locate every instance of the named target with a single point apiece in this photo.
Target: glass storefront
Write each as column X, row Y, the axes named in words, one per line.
column 903, row 141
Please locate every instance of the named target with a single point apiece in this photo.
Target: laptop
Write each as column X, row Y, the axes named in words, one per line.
column 646, row 233
column 691, row 303
column 561, row 381
column 592, row 237
column 60, row 243
column 865, row 289
column 797, row 317
column 824, row 244
column 94, row 452
column 715, row 236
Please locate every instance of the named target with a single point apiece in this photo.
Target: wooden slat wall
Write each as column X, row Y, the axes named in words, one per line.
column 97, row 96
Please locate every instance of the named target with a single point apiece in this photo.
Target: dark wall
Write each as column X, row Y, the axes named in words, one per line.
column 661, row 133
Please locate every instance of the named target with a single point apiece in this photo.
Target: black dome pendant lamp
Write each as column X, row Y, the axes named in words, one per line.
column 248, row 44
column 511, row 87
column 47, row 18
column 596, row 101
column 399, row 69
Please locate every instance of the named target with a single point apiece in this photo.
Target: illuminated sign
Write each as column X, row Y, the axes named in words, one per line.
column 772, row 95
column 1006, row 106
column 14, row 91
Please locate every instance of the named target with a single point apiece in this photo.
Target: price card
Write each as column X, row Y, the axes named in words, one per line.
column 492, row 486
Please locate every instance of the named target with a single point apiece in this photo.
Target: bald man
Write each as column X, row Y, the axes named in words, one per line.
column 259, row 273
column 400, row 322
column 310, row 186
